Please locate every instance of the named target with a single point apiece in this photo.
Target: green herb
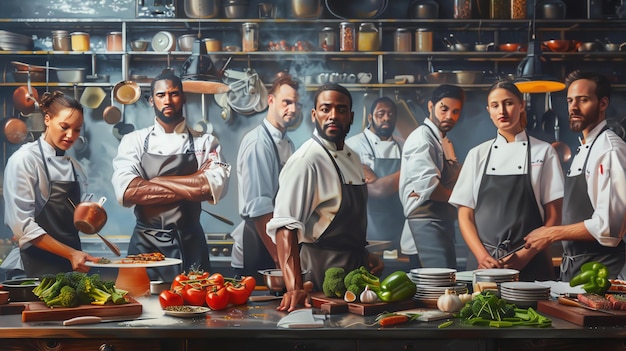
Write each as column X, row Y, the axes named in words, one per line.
column 445, row 324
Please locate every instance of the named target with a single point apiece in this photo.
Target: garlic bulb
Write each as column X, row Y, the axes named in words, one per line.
column 368, row 296
column 449, row 302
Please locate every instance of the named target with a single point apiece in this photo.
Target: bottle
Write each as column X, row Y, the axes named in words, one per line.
column 249, row 37
column 402, row 40
column 327, row 39
column 423, row 40
column 368, row 39
column 347, row 37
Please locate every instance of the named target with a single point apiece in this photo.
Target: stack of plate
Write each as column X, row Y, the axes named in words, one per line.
column 524, row 294
column 15, row 42
column 496, row 275
column 433, row 282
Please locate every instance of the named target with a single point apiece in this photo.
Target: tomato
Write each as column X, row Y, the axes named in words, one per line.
column 249, row 282
column 169, row 298
column 179, row 280
column 194, row 295
column 237, row 293
column 198, row 275
column 216, row 278
column 217, row 298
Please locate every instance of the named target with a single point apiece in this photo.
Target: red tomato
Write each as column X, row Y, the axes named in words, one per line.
column 249, row 282
column 217, row 298
column 216, row 278
column 237, row 294
column 198, row 275
column 179, row 279
column 169, row 298
column 194, row 295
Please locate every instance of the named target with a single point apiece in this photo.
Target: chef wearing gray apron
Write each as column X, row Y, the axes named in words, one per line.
column 57, row 219
column 181, row 235
column 432, row 224
column 576, row 208
column 506, row 210
column 385, row 216
column 343, row 243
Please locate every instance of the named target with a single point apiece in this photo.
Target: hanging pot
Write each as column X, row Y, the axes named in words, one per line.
column 26, row 98
column 14, row 130
column 126, row 92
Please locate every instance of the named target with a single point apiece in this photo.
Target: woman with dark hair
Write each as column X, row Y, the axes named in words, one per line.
column 39, row 182
column 507, row 187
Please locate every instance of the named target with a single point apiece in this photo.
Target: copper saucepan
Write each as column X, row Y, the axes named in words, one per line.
column 90, row 217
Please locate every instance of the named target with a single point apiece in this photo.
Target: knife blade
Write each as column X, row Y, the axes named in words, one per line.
column 512, row 251
column 568, row 301
column 97, row 319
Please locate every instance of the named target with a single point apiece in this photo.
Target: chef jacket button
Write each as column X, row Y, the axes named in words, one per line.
column 493, row 168
column 524, row 143
column 350, row 182
column 569, row 171
column 580, row 169
column 519, row 167
column 335, row 155
column 495, row 146
column 586, row 146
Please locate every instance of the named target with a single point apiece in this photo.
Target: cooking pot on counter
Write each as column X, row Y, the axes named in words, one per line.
column 20, row 289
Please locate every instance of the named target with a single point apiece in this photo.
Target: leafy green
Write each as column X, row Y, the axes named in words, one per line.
column 487, row 309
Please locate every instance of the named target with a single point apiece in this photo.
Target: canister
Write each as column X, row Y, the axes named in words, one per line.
column 423, row 39
column 249, row 36
column 368, row 39
column 212, row 45
column 114, row 41
column 402, row 40
column 463, row 9
column 518, row 9
column 347, row 36
column 61, row 40
column 80, row 41
column 500, row 9
column 328, row 39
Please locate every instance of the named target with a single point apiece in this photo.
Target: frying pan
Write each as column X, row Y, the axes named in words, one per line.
column 406, row 121
column 127, row 92
column 112, row 113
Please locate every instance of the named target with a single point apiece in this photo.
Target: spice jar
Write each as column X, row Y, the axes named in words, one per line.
column 423, row 40
column 500, row 9
column 114, row 41
column 518, row 9
column 249, row 37
column 347, row 37
column 368, row 39
column 463, row 9
column 80, row 41
column 61, row 40
column 328, row 39
column 402, row 40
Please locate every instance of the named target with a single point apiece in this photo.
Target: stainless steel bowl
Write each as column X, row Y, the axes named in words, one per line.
column 139, row 45
column 235, row 10
column 185, row 42
column 356, row 9
column 202, row 8
column 306, row 8
column 70, row 75
column 273, row 279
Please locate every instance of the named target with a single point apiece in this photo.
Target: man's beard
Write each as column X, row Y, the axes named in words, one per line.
column 341, row 133
column 175, row 118
column 383, row 132
column 577, row 125
column 444, row 128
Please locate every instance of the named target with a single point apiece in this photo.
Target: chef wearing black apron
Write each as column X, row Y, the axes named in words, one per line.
column 181, row 235
column 506, row 210
column 343, row 243
column 576, row 208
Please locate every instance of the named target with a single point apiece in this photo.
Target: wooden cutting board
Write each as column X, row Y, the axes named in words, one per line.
column 581, row 316
column 364, row 309
column 38, row 311
column 13, row 308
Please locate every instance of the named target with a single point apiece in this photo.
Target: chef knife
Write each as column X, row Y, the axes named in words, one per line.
column 567, row 301
column 221, row 218
column 512, row 251
column 96, row 319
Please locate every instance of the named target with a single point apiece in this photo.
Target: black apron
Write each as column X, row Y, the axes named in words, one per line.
column 385, row 216
column 255, row 254
column 432, row 224
column 181, row 237
column 343, row 243
column 506, row 211
column 57, row 219
column 576, row 208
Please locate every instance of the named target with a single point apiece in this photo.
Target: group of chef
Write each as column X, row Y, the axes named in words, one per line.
column 315, row 207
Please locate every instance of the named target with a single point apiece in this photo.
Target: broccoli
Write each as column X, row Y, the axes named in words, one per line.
column 117, row 295
column 88, row 289
column 54, row 289
column 333, row 285
column 356, row 281
column 45, row 282
column 66, row 298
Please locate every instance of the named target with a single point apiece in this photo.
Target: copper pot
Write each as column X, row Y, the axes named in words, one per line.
column 14, row 130
column 90, row 217
column 25, row 99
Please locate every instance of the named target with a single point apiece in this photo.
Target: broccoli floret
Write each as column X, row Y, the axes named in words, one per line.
column 45, row 282
column 75, row 278
column 357, row 279
column 54, row 289
column 66, row 298
column 117, row 295
column 88, row 290
column 333, row 285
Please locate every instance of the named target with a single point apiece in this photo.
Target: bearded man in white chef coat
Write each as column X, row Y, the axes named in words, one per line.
column 166, row 171
column 594, row 202
column 427, row 176
column 320, row 213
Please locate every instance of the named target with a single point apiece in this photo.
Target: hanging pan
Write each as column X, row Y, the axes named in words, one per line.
column 127, row 92
column 562, row 149
column 112, row 113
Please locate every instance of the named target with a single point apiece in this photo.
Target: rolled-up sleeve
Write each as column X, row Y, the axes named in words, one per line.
column 127, row 163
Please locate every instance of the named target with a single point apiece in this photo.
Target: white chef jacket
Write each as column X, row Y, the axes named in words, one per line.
column 309, row 194
column 381, row 148
column 423, row 158
column 26, row 187
column 606, row 183
column 510, row 159
column 257, row 176
column 127, row 162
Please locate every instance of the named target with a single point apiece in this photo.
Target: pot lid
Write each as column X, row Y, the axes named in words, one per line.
column 163, row 41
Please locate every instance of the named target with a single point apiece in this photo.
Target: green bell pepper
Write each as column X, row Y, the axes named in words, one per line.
column 396, row 287
column 595, row 277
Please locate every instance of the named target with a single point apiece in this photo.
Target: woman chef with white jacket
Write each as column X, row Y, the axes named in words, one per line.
column 507, row 187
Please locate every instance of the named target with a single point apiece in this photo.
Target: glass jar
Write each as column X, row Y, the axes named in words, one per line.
column 61, row 40
column 368, row 39
column 518, row 9
column 500, row 9
column 347, row 37
column 402, row 40
column 249, row 37
column 80, row 41
column 462, row 9
column 114, row 41
column 423, row 40
column 327, row 39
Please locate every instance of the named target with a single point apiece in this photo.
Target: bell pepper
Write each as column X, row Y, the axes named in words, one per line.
column 595, row 277
column 396, row 287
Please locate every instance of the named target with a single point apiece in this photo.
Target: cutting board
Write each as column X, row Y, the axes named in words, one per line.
column 38, row 311
column 581, row 316
column 364, row 309
column 13, row 308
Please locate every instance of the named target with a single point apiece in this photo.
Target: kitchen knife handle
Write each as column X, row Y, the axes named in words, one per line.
column 82, row 320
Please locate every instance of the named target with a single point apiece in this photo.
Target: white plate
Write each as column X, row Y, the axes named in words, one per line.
column 524, row 286
column 193, row 311
column 117, row 263
column 433, row 271
column 466, row 276
column 496, row 272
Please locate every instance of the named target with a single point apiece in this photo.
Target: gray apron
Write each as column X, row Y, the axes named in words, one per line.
column 181, row 237
column 576, row 208
column 385, row 216
column 432, row 224
column 343, row 243
column 57, row 219
column 255, row 254
column 506, row 211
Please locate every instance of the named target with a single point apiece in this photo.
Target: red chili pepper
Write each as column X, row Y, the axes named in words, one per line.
column 393, row 320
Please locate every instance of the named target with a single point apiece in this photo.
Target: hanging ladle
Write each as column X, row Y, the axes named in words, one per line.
column 90, row 217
